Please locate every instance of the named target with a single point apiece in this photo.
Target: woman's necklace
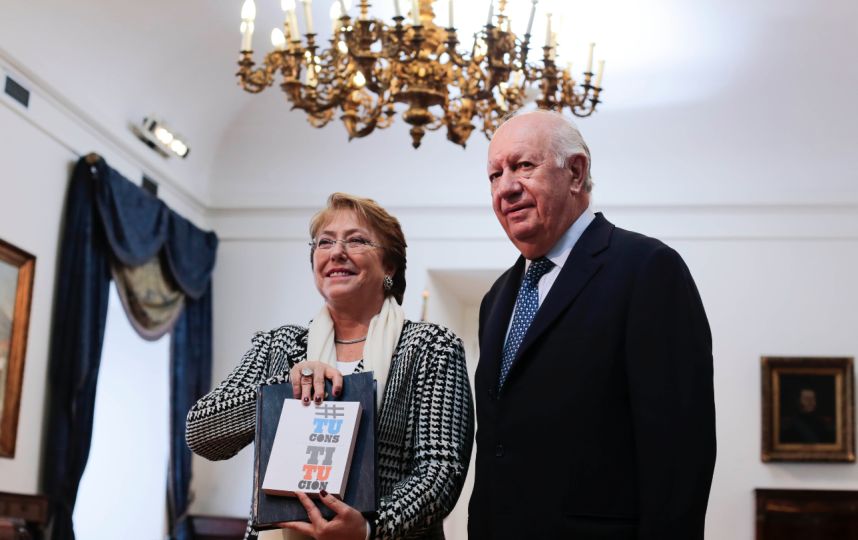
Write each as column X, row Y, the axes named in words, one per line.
column 349, row 341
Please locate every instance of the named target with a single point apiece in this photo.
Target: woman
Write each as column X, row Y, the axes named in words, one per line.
column 425, row 416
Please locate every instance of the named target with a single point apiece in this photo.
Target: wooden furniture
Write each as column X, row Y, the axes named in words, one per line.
column 793, row 514
column 22, row 517
column 218, row 528
column 13, row 529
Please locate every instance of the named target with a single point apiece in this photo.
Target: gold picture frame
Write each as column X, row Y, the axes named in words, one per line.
column 808, row 409
column 17, row 268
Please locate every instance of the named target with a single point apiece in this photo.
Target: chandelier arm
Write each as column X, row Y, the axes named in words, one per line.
column 456, row 58
column 436, row 124
column 316, row 106
column 320, row 120
column 255, row 80
column 583, row 112
column 364, row 131
column 371, row 121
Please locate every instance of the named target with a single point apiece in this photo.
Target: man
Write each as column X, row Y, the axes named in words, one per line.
column 806, row 423
column 595, row 408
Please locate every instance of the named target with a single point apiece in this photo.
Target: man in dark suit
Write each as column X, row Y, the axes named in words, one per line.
column 595, row 408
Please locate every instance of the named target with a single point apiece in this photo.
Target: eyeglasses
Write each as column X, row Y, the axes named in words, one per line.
column 352, row 245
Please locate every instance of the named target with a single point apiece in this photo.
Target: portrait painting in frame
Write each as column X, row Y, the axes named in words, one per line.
column 808, row 409
column 17, row 268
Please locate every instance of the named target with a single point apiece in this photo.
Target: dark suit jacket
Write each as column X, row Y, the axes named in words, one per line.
column 605, row 427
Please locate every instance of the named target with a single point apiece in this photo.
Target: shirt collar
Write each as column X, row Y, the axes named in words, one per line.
column 561, row 250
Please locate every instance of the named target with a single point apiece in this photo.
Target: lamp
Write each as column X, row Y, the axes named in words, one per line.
column 370, row 66
column 161, row 138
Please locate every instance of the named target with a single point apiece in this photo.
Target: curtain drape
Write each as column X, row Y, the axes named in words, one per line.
column 190, row 378
column 108, row 218
column 150, row 298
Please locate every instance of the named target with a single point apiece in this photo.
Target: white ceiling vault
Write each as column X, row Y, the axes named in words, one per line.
column 711, row 102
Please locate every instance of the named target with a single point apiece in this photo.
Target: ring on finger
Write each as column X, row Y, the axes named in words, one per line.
column 306, row 373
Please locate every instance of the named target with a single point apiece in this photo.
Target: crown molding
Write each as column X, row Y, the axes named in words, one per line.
column 678, row 222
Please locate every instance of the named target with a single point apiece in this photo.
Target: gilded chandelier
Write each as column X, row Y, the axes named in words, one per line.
column 369, row 66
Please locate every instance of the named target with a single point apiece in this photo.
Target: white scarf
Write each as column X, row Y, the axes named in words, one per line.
column 381, row 340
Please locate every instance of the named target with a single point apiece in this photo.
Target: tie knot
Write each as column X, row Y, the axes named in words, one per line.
column 538, row 268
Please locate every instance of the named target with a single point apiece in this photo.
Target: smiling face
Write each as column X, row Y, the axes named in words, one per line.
column 533, row 197
column 349, row 279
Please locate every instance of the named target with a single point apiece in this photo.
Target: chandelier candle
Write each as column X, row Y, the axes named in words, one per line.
column 548, row 29
column 599, row 75
column 248, row 14
column 288, row 7
column 308, row 14
column 530, row 20
column 246, row 36
column 415, row 12
column 590, row 59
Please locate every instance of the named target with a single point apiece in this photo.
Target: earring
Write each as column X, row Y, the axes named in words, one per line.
column 387, row 283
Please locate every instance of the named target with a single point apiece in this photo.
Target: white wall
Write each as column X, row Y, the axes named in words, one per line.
column 769, row 297
column 117, row 62
column 31, row 200
column 775, row 280
column 40, row 146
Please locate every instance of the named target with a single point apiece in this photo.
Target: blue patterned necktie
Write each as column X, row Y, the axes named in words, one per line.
column 526, row 305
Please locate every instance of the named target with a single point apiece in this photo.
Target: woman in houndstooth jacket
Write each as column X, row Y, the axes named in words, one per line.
column 425, row 417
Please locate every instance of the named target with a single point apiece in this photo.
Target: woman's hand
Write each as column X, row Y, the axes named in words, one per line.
column 308, row 387
column 348, row 523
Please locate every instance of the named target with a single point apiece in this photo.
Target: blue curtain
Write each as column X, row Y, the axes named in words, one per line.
column 109, row 217
column 190, row 378
column 80, row 311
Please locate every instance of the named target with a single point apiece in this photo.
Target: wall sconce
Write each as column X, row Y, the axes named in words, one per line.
column 161, row 138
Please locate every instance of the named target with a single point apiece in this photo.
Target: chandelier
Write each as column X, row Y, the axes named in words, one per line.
column 370, row 66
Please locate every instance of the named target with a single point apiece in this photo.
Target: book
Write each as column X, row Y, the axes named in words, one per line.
column 312, row 449
column 361, row 490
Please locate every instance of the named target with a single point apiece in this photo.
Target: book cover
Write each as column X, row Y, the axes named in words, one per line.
column 361, row 489
column 312, row 448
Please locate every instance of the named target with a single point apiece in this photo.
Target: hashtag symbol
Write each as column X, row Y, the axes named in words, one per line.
column 330, row 411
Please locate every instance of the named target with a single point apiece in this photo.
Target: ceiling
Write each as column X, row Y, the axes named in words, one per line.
column 711, row 102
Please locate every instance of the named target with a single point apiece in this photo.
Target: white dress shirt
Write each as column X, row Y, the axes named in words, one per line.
column 561, row 250
column 558, row 255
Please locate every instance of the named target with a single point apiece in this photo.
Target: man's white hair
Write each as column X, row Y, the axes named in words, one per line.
column 566, row 141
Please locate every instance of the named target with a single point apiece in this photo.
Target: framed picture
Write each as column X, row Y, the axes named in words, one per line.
column 808, row 409
column 16, row 287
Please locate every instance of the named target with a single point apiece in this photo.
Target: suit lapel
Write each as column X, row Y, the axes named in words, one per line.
column 498, row 317
column 580, row 267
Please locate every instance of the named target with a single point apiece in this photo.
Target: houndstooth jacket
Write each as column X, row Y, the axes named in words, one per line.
column 425, row 424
